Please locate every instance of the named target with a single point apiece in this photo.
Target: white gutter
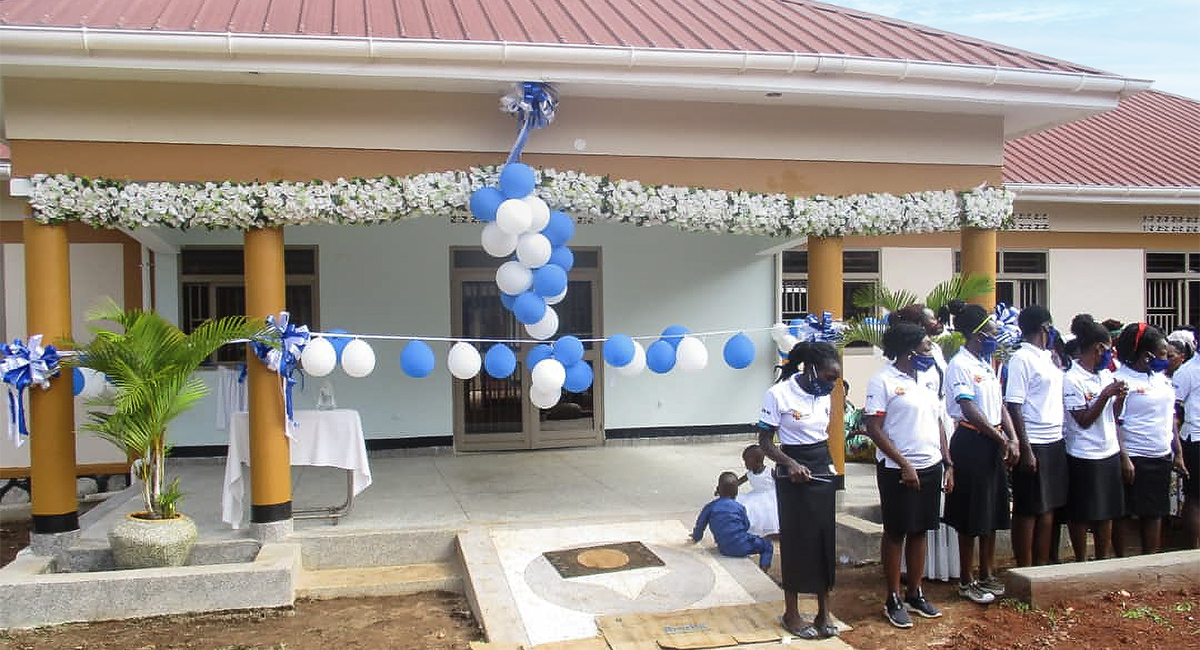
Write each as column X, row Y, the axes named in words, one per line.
column 261, row 52
column 1104, row 194
column 5, row 170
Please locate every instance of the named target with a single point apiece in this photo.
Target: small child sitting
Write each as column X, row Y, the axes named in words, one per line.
column 760, row 502
column 730, row 526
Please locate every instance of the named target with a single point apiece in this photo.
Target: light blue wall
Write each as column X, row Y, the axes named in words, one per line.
column 395, row 279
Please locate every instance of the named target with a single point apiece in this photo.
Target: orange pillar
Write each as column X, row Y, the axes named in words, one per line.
column 51, row 415
column 979, row 258
column 825, row 294
column 270, row 466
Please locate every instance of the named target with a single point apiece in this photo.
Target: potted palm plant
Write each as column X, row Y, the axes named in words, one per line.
column 151, row 363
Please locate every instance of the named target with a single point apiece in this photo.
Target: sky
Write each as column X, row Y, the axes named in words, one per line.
column 1143, row 39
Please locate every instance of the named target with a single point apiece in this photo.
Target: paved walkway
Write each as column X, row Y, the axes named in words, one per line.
column 455, row 491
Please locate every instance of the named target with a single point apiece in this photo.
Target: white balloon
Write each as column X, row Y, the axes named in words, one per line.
column 544, row 328
column 539, row 211
column 637, row 364
column 319, row 358
column 496, row 242
column 533, row 250
column 463, row 360
column 358, row 359
column 778, row 331
column 513, row 278
column 787, row 343
column 514, row 216
column 691, row 355
column 549, row 375
column 554, row 300
column 544, row 399
column 94, row 384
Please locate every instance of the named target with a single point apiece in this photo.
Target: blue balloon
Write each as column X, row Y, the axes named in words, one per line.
column 484, row 202
column 339, row 343
column 537, row 354
column 619, row 350
column 529, row 308
column 794, row 326
column 417, row 360
column 507, row 300
column 560, row 228
column 77, row 381
column 500, row 362
column 660, row 357
column 568, row 350
column 739, row 351
column 674, row 334
column 549, row 280
column 517, row 180
column 579, row 377
column 563, row 257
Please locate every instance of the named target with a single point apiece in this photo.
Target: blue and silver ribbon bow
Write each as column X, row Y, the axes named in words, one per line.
column 23, row 366
column 284, row 360
column 822, row 329
column 533, row 104
column 1008, row 333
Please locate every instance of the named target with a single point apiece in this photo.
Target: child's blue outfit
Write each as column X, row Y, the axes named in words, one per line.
column 731, row 528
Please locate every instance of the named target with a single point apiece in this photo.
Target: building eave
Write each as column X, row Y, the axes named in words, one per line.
column 1129, row 195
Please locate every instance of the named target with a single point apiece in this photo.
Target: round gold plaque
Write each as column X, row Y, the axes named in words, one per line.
column 602, row 558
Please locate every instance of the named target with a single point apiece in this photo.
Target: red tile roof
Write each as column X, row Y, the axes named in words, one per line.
column 1151, row 140
column 740, row 25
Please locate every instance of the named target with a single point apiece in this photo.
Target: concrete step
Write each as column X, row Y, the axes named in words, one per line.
column 379, row 580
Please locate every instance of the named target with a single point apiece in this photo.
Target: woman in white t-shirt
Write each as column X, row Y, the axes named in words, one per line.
column 1095, row 495
column 797, row 408
column 1186, row 382
column 1147, row 432
column 903, row 416
column 1033, row 396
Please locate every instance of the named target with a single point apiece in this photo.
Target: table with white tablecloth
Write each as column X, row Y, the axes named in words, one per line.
column 331, row 438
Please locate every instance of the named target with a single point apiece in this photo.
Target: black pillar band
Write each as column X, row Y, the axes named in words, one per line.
column 64, row 523
column 272, row 513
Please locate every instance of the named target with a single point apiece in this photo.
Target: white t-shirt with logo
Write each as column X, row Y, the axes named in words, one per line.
column 1081, row 389
column 1035, row 383
column 802, row 418
column 911, row 410
column 1147, row 418
column 1187, row 392
column 972, row 378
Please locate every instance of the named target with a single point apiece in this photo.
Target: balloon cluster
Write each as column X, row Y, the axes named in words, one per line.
column 810, row 329
column 1008, row 333
column 522, row 227
column 673, row 349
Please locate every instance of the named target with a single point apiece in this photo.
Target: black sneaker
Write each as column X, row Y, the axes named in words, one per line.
column 893, row 609
column 921, row 606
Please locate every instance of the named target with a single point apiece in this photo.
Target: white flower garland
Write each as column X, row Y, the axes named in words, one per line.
column 105, row 203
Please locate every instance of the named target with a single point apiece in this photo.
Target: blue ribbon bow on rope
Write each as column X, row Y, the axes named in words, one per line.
column 533, row 104
column 283, row 360
column 822, row 329
column 1008, row 333
column 24, row 366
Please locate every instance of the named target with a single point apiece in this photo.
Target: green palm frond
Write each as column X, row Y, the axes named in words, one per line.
column 958, row 287
column 863, row 332
column 879, row 296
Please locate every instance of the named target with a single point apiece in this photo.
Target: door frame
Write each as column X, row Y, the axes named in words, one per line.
column 532, row 435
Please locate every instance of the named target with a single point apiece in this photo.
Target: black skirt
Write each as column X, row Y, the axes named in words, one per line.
column 1191, row 460
column 1096, row 490
column 1046, row 489
column 978, row 506
column 906, row 510
column 1150, row 494
column 807, row 550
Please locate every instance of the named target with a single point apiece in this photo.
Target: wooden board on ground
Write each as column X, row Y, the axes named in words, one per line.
column 594, row 643
column 694, row 629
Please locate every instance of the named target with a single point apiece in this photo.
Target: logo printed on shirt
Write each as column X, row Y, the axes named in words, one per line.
column 978, row 379
column 899, row 390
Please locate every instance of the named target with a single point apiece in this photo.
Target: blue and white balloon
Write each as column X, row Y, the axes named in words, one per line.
column 339, row 342
column 514, row 216
column 417, row 359
column 538, row 354
column 691, row 355
column 619, row 350
column 554, row 300
column 548, row 375
column 546, row 327
column 637, row 364
column 463, row 360
column 549, row 280
column 563, row 257
column 579, row 377
column 560, row 229
column 545, row 398
column 513, row 278
column 529, row 308
column 533, row 250
column 319, row 357
column 674, row 334
column 500, row 362
column 568, row 350
column 496, row 242
column 358, row 359
column 539, row 211
column 517, row 180
column 484, row 202
column 660, row 357
column 739, row 351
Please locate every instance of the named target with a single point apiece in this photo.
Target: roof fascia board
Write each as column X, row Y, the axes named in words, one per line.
column 1131, row 195
column 90, row 48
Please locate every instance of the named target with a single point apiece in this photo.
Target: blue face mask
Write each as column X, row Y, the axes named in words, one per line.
column 1105, row 360
column 987, row 346
column 923, row 362
column 1051, row 338
column 1158, row 365
column 818, row 387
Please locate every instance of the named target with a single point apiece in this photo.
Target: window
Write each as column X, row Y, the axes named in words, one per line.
column 213, row 285
column 1172, row 289
column 1020, row 277
column 859, row 269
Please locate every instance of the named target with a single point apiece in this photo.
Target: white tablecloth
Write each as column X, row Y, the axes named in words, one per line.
column 321, row 438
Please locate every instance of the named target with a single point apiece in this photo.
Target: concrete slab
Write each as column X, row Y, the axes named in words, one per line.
column 379, row 581
column 1044, row 585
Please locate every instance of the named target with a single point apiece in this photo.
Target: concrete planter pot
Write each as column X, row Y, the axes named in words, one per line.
column 149, row 543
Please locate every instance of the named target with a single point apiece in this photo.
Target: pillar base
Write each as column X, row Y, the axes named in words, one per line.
column 52, row 544
column 275, row 531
